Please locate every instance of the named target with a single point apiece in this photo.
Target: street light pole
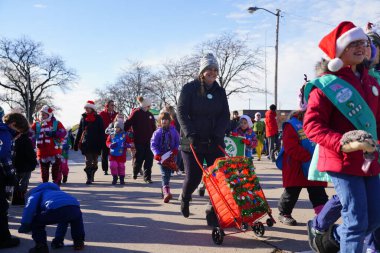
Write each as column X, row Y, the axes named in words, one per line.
column 277, row 14
column 276, row 64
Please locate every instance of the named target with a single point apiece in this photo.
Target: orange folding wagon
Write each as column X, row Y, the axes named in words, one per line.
column 236, row 196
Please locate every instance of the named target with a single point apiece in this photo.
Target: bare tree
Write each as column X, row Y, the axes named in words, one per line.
column 239, row 65
column 177, row 74
column 133, row 82
column 27, row 74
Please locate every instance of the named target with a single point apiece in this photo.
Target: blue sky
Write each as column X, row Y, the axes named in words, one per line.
column 98, row 37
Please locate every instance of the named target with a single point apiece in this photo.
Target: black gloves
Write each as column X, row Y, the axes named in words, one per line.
column 194, row 139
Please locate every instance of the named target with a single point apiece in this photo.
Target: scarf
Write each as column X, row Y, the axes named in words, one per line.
column 90, row 117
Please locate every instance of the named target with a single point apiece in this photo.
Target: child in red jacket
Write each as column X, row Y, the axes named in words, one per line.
column 49, row 134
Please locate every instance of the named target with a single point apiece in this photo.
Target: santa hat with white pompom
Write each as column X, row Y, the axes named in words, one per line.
column 334, row 43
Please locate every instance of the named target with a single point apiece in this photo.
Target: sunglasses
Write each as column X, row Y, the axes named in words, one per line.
column 359, row 43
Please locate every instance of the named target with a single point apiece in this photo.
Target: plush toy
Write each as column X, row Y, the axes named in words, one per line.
column 360, row 140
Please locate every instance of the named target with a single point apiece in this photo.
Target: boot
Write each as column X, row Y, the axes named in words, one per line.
column 326, row 243
column 114, row 180
column 40, row 248
column 93, row 170
column 122, row 180
column 9, row 243
column 57, row 243
column 78, row 244
column 167, row 195
column 64, row 180
column 88, row 174
column 185, row 208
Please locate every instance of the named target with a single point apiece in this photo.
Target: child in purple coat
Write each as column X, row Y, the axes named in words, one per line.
column 165, row 139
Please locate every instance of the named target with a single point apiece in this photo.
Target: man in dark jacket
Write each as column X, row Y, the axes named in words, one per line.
column 203, row 114
column 13, row 122
column 143, row 124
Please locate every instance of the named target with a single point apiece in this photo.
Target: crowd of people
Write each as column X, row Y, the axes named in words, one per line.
column 333, row 136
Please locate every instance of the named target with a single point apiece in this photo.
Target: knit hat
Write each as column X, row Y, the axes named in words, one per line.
column 334, row 43
column 373, row 34
column 207, row 61
column 90, row 104
column 118, row 124
column 257, row 116
column 145, row 102
column 1, row 113
column 47, row 109
column 248, row 119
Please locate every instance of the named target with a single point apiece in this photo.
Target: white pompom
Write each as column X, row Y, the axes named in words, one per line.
column 335, row 64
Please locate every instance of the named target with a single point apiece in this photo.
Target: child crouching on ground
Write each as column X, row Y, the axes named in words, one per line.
column 165, row 139
column 245, row 130
column 47, row 205
column 118, row 142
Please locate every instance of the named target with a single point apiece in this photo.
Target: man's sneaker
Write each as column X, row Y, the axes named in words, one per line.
column 57, row 244
column 134, row 177
column 287, row 219
column 10, row 243
column 179, row 173
column 78, row 244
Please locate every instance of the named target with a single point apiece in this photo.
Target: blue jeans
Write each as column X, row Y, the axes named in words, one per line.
column 61, row 216
column 166, row 174
column 360, row 201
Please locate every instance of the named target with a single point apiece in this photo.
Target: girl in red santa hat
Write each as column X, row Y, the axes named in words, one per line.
column 49, row 134
column 343, row 118
column 90, row 139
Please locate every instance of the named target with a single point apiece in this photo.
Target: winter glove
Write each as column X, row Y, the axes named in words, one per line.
column 10, row 175
column 25, row 228
column 234, row 134
column 113, row 145
column 217, row 140
column 174, row 152
column 194, row 139
column 246, row 142
column 157, row 157
column 357, row 140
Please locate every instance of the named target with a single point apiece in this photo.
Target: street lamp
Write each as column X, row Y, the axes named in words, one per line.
column 277, row 14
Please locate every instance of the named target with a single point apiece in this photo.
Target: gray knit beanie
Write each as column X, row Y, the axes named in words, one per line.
column 207, row 61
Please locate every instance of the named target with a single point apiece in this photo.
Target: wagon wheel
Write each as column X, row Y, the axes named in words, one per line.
column 270, row 222
column 258, row 229
column 217, row 235
column 244, row 226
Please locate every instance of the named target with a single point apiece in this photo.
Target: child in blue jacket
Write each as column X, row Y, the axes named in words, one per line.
column 47, row 205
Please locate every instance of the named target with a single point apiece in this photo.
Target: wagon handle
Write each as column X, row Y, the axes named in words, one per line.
column 224, row 151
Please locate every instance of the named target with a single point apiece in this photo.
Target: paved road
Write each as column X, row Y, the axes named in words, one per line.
column 133, row 218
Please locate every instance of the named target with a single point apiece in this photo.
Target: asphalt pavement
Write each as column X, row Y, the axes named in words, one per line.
column 133, row 217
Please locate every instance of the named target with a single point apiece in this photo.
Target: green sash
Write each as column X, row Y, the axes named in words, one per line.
column 350, row 103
